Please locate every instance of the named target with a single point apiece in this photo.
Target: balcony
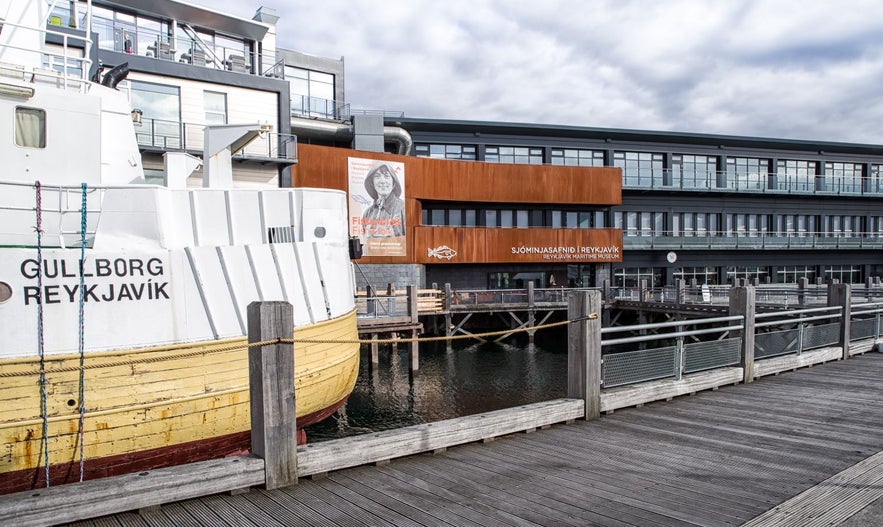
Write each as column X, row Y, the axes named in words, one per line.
column 825, row 185
column 315, row 107
column 644, row 240
column 157, row 135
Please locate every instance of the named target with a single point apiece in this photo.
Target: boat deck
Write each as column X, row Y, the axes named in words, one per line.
column 803, row 447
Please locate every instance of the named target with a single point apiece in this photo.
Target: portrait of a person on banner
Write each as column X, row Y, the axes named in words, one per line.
column 385, row 217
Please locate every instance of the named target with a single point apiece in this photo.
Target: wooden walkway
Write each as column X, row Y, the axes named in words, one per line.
column 803, row 442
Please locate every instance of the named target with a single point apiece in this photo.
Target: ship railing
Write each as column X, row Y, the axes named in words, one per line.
column 61, row 214
column 62, row 58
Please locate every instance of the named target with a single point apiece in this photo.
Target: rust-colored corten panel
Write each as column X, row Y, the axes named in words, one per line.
column 480, row 245
column 445, row 180
column 469, row 181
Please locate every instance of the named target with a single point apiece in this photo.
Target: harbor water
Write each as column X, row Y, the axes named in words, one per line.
column 470, row 379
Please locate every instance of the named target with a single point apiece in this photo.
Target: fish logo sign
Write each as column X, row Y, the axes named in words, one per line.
column 442, row 252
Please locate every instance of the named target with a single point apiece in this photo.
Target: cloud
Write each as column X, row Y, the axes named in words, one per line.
column 773, row 68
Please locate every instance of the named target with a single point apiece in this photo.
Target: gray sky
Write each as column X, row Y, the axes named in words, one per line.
column 805, row 69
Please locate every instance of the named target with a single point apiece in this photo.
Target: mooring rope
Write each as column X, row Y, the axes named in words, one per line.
column 234, row 347
column 82, row 383
column 43, row 397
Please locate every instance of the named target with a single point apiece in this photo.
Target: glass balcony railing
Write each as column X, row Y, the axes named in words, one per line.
column 828, row 185
column 164, row 135
column 305, row 106
column 638, row 240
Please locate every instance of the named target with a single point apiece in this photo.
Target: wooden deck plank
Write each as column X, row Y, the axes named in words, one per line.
column 363, row 507
column 497, row 489
column 579, row 474
column 644, row 498
column 404, row 499
column 330, row 506
column 599, row 502
column 487, row 513
column 285, row 508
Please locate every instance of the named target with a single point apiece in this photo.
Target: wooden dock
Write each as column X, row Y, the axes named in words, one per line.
column 801, row 448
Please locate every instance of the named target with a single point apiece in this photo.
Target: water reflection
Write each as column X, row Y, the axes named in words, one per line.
column 467, row 380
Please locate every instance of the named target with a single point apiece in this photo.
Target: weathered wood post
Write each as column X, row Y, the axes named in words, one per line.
column 449, row 299
column 531, row 311
column 271, row 381
column 414, row 312
column 839, row 295
column 742, row 302
column 681, row 286
column 584, row 350
column 802, row 284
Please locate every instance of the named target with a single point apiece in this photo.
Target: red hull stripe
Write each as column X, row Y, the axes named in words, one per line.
column 179, row 454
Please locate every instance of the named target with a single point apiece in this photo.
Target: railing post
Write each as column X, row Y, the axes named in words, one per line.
column 271, row 381
column 584, row 350
column 742, row 302
column 839, row 295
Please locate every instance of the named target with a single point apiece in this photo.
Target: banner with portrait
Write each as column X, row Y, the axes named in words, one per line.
column 377, row 205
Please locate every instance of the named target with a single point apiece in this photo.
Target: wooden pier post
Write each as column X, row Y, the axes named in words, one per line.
column 839, row 295
column 414, row 312
column 584, row 350
column 531, row 312
column 743, row 302
column 449, row 298
column 271, row 381
column 375, row 350
column 802, row 284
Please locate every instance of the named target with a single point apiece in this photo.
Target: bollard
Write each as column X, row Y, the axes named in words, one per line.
column 271, row 381
column 584, row 350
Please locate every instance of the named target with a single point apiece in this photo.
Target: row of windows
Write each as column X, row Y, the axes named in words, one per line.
column 512, row 217
column 654, row 277
column 690, row 171
column 643, row 223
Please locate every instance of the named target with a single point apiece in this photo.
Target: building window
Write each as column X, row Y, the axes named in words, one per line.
column 791, row 274
column 759, row 274
column 575, row 157
column 215, row 107
column 640, row 169
column 30, row 127
column 462, row 152
column 161, row 109
column 518, row 155
column 796, row 176
column 843, row 178
column 312, row 92
column 693, row 172
column 632, row 276
column 697, row 275
column 747, row 173
column 845, row 274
